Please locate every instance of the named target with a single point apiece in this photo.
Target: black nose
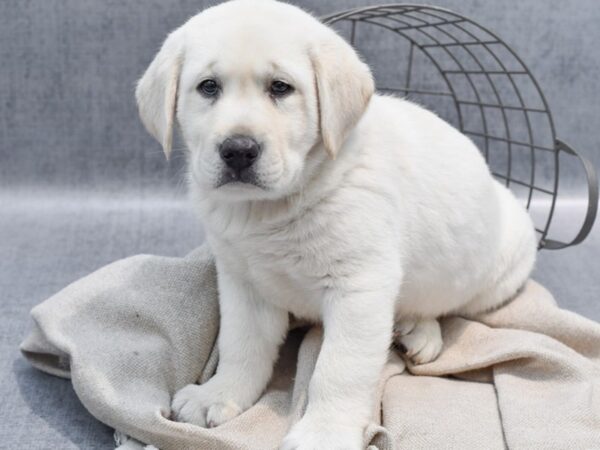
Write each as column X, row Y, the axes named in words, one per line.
column 239, row 152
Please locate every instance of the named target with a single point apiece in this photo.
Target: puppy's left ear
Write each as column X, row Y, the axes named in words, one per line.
column 344, row 87
column 156, row 92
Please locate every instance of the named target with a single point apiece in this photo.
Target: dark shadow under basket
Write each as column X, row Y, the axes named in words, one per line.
column 466, row 74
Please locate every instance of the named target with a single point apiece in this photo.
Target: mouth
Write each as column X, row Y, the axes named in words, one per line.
column 241, row 178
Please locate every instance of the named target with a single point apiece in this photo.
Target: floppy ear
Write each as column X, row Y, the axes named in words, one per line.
column 156, row 92
column 344, row 87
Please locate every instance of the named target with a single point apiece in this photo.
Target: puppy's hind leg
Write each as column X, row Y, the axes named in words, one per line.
column 419, row 339
column 517, row 243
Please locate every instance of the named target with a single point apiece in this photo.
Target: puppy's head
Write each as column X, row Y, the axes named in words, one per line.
column 257, row 87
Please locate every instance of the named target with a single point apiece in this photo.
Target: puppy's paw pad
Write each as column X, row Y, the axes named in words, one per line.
column 423, row 343
column 220, row 413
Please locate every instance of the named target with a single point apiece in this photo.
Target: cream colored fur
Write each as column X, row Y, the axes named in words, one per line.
column 371, row 211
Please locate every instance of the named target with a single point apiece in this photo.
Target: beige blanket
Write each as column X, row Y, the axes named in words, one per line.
column 134, row 332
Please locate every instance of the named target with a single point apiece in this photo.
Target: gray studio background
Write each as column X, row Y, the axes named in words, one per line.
column 82, row 184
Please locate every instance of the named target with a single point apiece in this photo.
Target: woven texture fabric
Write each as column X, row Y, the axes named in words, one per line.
column 132, row 333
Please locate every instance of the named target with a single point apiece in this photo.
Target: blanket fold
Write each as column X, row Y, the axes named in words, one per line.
column 132, row 333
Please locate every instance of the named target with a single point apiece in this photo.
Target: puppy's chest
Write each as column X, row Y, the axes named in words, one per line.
column 290, row 263
column 302, row 253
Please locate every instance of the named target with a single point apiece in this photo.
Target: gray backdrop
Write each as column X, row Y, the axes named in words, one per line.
column 82, row 184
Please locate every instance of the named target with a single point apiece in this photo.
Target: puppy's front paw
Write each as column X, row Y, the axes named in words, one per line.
column 201, row 405
column 190, row 405
column 322, row 434
column 419, row 340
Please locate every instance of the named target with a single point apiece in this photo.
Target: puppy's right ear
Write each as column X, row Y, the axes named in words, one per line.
column 156, row 91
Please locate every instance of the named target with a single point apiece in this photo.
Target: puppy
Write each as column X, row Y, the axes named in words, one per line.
column 323, row 199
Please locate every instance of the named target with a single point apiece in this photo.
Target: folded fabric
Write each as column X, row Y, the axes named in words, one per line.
column 132, row 333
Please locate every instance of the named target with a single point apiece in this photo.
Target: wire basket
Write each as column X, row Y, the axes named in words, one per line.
column 466, row 74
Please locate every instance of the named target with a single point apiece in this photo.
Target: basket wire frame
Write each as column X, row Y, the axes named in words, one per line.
column 479, row 73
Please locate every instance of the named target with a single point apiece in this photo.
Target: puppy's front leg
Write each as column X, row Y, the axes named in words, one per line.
column 251, row 331
column 357, row 335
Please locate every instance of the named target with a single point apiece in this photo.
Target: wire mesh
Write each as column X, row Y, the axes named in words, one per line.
column 466, row 74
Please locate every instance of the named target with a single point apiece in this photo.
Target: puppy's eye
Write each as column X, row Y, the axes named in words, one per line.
column 208, row 88
column 280, row 88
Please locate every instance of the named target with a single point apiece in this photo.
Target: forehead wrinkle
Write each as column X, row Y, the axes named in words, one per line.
column 251, row 71
column 237, row 59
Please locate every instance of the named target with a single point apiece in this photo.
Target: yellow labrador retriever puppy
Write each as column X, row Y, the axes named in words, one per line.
column 322, row 199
